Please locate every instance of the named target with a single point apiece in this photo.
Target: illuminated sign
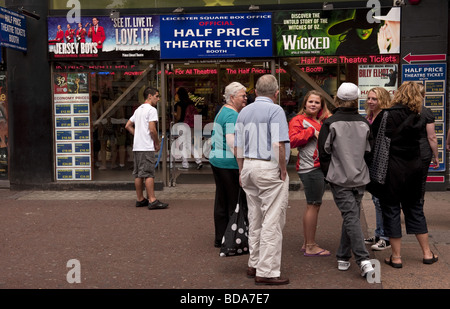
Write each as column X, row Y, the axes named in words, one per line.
column 125, row 37
column 336, row 32
column 216, row 36
column 323, row 60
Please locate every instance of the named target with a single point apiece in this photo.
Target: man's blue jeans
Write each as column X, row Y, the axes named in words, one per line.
column 379, row 230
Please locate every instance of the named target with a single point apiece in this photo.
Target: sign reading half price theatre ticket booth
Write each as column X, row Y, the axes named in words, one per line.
column 434, row 77
column 216, row 36
column 13, row 33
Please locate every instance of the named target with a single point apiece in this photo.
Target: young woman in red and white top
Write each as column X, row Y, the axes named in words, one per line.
column 303, row 133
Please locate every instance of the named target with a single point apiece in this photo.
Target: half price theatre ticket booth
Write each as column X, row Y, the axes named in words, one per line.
column 102, row 64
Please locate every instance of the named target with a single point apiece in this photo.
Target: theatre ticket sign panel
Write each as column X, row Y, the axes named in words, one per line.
column 434, row 77
column 13, row 32
column 216, row 36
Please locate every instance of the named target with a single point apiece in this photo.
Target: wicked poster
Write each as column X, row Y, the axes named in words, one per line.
column 337, row 32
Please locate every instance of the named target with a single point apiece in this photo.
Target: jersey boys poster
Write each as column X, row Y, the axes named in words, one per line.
column 104, row 38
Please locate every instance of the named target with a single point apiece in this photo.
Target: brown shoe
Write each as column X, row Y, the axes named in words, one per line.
column 271, row 281
column 251, row 272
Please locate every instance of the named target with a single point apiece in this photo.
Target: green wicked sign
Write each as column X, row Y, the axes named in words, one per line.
column 337, row 32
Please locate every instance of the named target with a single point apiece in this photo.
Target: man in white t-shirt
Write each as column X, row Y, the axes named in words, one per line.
column 143, row 125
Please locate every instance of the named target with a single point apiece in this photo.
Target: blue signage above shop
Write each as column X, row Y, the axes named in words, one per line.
column 13, row 33
column 216, row 36
column 434, row 77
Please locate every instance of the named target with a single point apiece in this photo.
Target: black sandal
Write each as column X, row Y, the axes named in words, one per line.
column 434, row 259
column 395, row 265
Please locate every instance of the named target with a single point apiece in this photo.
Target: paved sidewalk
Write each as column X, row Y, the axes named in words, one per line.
column 120, row 246
column 414, row 274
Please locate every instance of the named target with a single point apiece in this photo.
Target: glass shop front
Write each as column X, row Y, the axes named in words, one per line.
column 97, row 87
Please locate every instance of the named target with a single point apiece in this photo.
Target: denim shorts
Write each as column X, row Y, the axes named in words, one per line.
column 314, row 185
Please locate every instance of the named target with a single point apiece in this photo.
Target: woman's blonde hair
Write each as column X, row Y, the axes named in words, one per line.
column 422, row 89
column 410, row 95
column 383, row 97
column 323, row 113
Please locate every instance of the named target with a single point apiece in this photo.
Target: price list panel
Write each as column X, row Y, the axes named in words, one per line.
column 433, row 77
column 72, row 127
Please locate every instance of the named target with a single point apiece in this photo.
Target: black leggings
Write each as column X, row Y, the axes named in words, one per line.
column 227, row 191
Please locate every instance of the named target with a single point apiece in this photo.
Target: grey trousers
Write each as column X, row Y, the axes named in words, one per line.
column 348, row 200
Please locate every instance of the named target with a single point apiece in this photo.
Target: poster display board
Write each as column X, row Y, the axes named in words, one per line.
column 104, row 38
column 376, row 75
column 72, row 126
column 336, row 32
column 434, row 78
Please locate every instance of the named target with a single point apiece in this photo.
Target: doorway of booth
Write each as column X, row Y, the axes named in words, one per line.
column 204, row 81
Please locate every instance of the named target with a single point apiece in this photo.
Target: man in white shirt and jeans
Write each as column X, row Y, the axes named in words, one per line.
column 143, row 125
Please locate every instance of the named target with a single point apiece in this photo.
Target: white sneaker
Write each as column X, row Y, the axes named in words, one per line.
column 381, row 245
column 366, row 268
column 343, row 265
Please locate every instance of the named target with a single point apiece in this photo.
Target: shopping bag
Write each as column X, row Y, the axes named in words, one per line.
column 235, row 239
column 379, row 166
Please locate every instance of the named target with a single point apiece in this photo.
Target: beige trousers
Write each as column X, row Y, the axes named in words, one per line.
column 267, row 199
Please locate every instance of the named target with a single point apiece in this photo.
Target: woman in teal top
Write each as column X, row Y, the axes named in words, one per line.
column 223, row 162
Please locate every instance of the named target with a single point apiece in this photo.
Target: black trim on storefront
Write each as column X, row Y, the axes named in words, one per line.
column 228, row 9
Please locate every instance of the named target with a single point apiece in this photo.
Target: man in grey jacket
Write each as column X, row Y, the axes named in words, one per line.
column 344, row 145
